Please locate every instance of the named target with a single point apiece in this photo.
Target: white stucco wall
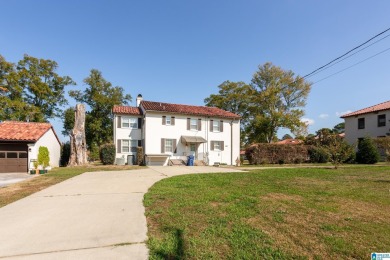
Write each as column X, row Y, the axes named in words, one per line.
column 125, row 134
column 371, row 129
column 154, row 131
column 51, row 142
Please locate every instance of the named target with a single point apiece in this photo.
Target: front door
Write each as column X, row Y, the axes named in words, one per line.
column 193, row 150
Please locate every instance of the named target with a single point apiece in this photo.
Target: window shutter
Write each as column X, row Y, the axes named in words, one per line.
column 164, row 118
column 119, row 122
column 222, row 145
column 119, row 147
column 212, row 145
column 188, row 123
column 174, row 145
column 199, row 124
column 162, row 145
column 139, row 123
column 173, row 120
column 211, row 127
column 139, row 143
column 221, row 126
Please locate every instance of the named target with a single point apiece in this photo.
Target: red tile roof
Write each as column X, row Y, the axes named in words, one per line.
column 290, row 141
column 187, row 109
column 126, row 110
column 23, row 131
column 379, row 107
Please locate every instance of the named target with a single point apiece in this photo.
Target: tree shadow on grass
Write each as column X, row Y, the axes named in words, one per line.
column 178, row 252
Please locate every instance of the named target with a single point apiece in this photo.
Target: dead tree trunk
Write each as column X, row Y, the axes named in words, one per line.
column 78, row 146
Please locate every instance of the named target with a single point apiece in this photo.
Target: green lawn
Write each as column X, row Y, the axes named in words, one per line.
column 22, row 189
column 271, row 214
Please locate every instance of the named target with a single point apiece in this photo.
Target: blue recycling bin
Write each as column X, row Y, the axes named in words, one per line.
column 190, row 160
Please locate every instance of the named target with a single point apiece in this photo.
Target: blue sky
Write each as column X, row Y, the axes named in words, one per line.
column 180, row 51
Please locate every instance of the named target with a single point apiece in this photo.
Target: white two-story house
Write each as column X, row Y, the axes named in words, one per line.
column 372, row 121
column 173, row 131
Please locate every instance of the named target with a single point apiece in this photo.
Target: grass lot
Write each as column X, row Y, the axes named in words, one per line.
column 271, row 213
column 22, row 189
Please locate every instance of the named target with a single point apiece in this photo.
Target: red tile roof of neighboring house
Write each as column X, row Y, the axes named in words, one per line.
column 24, row 131
column 187, row 109
column 379, row 107
column 290, row 141
column 126, row 110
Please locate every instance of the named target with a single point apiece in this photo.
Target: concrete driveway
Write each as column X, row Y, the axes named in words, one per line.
column 96, row 215
column 13, row 177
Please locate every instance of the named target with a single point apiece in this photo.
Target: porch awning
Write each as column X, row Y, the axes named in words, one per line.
column 192, row 139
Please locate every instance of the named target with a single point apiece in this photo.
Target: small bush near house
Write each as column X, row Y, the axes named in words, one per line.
column 65, row 154
column 107, row 153
column 140, row 156
column 43, row 156
column 367, row 151
column 318, row 154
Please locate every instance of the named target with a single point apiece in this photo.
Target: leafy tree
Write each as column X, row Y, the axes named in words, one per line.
column 280, row 97
column 100, row 96
column 274, row 99
column 287, row 136
column 31, row 90
column 339, row 128
column 69, row 118
column 339, row 150
column 367, row 151
column 233, row 97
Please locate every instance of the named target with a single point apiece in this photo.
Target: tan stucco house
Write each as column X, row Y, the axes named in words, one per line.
column 371, row 121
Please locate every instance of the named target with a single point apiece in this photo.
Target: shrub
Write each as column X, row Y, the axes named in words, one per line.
column 367, row 151
column 43, row 156
column 65, row 154
column 383, row 144
column 94, row 152
column 107, row 153
column 276, row 153
column 140, row 156
column 318, row 154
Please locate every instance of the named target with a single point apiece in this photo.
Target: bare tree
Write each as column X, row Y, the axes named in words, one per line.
column 78, row 145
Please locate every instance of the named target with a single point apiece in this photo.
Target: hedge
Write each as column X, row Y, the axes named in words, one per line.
column 264, row 153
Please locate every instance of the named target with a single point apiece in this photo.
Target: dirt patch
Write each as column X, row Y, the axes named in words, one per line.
column 365, row 211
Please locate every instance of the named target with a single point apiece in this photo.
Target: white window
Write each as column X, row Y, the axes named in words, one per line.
column 169, row 145
column 168, row 120
column 194, row 124
column 129, row 146
column 129, row 122
column 216, row 127
column 217, row 146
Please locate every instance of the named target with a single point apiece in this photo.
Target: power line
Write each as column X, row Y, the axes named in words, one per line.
column 357, row 47
column 348, row 56
column 352, row 65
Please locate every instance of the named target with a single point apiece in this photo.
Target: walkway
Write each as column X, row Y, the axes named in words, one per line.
column 96, row 215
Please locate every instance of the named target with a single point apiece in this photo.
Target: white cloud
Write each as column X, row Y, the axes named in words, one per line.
column 307, row 121
column 323, row 116
column 343, row 113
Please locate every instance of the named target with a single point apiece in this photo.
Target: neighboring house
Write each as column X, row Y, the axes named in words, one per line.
column 19, row 144
column 172, row 132
column 371, row 121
